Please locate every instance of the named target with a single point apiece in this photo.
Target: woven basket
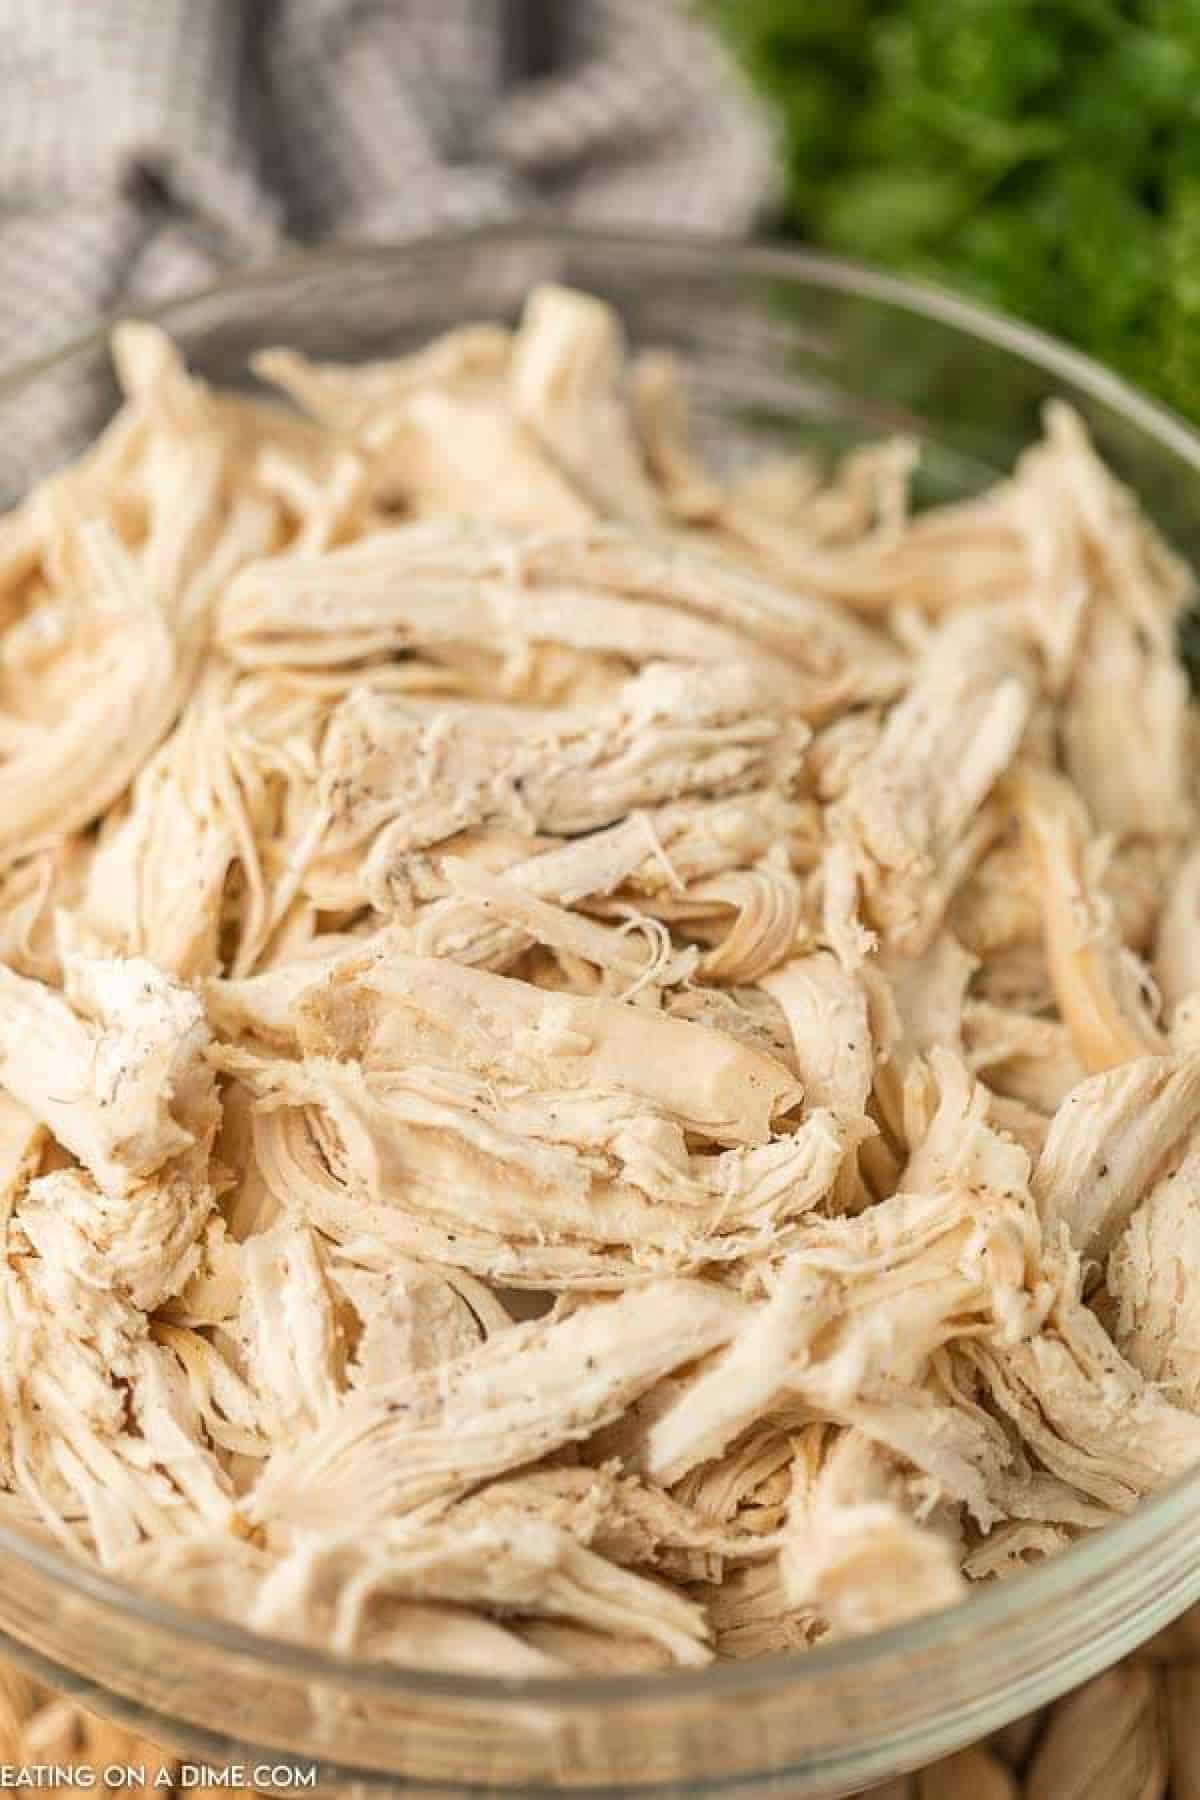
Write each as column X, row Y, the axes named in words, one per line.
column 1131, row 1734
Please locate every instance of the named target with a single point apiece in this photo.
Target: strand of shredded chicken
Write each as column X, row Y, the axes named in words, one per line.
column 599, row 1063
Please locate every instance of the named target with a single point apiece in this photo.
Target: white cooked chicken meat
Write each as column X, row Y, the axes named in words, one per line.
column 599, row 1063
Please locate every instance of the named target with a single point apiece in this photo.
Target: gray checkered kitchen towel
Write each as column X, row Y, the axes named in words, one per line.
column 146, row 144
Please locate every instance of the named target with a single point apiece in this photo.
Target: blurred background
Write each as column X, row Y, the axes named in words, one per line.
column 1043, row 155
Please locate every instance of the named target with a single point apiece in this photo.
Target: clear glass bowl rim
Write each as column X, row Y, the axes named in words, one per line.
column 992, row 1611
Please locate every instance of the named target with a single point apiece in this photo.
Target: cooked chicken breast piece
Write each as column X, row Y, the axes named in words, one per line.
column 912, row 811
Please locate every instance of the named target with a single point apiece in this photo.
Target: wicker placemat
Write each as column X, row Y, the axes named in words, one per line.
column 1131, row 1734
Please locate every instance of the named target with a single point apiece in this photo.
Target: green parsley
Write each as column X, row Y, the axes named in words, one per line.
column 1043, row 155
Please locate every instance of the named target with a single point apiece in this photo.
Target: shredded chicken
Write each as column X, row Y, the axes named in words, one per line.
column 599, row 1061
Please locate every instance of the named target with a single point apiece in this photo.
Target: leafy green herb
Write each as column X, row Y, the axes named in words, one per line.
column 1042, row 154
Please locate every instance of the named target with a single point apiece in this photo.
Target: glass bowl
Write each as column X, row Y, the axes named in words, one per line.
column 782, row 348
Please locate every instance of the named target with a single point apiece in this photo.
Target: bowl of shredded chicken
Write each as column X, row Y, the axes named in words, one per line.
column 599, row 1061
